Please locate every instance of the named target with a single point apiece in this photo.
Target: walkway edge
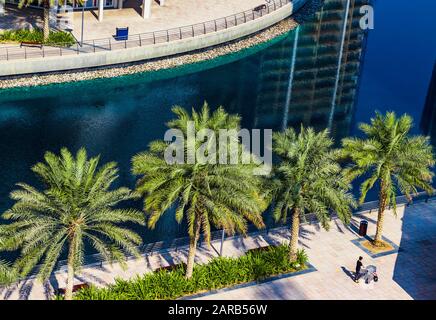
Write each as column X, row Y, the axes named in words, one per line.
column 310, row 269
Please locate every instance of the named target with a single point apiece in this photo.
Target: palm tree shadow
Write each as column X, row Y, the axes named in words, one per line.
column 238, row 242
column 86, row 277
column 305, row 235
column 214, row 247
column 54, row 282
column 147, row 261
column 169, row 258
column 353, row 227
column 25, row 289
column 9, row 290
column 181, row 256
column 49, row 287
column 25, row 18
column 172, row 258
column 340, row 226
column 260, row 241
column 208, row 252
column 357, row 217
column 52, row 285
column 316, row 225
column 272, row 240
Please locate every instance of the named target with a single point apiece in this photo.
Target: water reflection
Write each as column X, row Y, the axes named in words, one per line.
column 428, row 120
column 311, row 77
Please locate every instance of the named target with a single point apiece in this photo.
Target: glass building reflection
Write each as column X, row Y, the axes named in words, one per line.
column 428, row 119
column 312, row 77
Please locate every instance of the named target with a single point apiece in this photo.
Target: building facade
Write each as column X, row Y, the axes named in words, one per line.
column 428, row 119
column 89, row 4
column 316, row 72
column 101, row 5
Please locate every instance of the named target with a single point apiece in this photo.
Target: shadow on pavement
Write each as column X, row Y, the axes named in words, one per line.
column 348, row 273
column 415, row 268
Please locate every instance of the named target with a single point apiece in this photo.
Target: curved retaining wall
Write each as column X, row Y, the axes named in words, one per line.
column 105, row 58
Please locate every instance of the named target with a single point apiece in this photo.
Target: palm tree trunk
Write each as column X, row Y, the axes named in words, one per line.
column 46, row 27
column 293, row 243
column 70, row 274
column 381, row 213
column 378, row 234
column 192, row 250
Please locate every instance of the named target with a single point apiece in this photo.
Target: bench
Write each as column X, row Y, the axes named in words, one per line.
column 31, row 44
column 122, row 33
column 259, row 8
column 76, row 287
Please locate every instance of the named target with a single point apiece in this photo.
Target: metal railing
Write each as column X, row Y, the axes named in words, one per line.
column 142, row 39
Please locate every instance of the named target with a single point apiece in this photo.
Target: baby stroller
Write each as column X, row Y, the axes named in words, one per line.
column 370, row 274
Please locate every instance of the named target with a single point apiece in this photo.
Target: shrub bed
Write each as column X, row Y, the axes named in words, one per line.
column 219, row 273
column 36, row 35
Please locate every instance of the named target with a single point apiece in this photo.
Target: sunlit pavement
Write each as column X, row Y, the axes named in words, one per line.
column 175, row 13
column 409, row 274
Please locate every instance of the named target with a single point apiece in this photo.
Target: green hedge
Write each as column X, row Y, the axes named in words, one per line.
column 36, row 35
column 219, row 273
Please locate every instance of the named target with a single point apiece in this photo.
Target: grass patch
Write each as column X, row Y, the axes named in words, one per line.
column 381, row 246
column 219, row 273
column 35, row 35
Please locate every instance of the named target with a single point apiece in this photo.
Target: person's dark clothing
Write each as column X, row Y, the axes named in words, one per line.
column 359, row 265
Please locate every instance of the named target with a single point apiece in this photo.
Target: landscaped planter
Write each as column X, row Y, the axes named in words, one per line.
column 219, row 274
column 309, row 268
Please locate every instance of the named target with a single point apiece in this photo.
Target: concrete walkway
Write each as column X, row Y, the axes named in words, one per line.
column 175, row 13
column 15, row 18
column 409, row 274
column 98, row 36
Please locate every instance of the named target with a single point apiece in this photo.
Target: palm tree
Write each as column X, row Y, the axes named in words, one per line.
column 205, row 195
column 46, row 4
column 46, row 15
column 7, row 274
column 308, row 180
column 76, row 206
column 392, row 158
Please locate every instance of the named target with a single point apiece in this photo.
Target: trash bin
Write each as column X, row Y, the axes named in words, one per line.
column 363, row 228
